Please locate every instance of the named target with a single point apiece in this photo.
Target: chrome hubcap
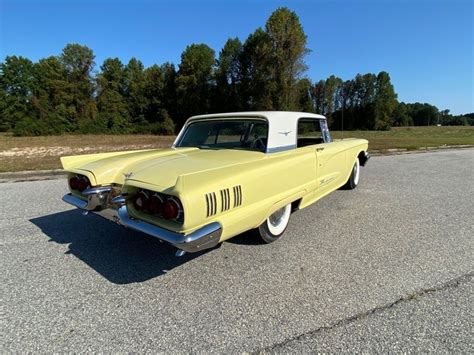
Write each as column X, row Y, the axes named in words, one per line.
column 277, row 222
column 356, row 172
column 275, row 219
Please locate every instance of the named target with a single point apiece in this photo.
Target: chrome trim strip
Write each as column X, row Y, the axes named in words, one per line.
column 203, row 238
column 281, row 149
column 75, row 201
column 96, row 190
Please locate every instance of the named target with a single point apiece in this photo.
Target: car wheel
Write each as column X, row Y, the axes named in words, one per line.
column 354, row 178
column 275, row 225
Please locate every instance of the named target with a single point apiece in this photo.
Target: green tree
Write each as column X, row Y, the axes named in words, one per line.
column 5, row 119
column 194, row 81
column 422, row 114
column 156, row 114
column 257, row 83
column 78, row 62
column 317, row 96
column 113, row 114
column 366, row 102
column 304, row 99
column 153, row 92
column 469, row 118
column 364, row 91
column 385, row 102
column 228, row 77
column 400, row 116
column 134, row 91
column 52, row 98
column 288, row 48
column 445, row 118
column 331, row 89
column 16, row 87
column 169, row 89
column 346, row 116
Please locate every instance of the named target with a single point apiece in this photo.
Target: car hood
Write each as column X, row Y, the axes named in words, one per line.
column 163, row 167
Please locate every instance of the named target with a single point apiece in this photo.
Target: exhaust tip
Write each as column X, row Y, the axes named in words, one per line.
column 180, row 252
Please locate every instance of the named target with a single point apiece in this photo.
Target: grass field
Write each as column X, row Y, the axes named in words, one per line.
column 38, row 153
column 413, row 138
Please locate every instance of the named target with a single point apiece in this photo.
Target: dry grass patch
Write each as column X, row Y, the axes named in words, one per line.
column 38, row 153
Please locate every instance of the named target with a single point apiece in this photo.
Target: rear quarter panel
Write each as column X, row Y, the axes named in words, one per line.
column 353, row 147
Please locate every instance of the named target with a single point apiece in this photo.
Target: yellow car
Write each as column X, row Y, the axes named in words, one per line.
column 224, row 174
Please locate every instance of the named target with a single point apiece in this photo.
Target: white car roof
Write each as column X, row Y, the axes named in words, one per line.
column 270, row 115
column 282, row 125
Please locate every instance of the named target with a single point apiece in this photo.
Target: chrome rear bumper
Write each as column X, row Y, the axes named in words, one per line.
column 75, row 201
column 85, row 206
column 204, row 238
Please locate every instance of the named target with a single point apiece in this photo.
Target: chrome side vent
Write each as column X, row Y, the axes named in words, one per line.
column 237, row 195
column 225, row 200
column 211, row 203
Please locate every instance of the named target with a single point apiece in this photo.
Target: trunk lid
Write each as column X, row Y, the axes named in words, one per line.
column 163, row 167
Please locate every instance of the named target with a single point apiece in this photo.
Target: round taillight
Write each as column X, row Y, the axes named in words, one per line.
column 155, row 204
column 83, row 183
column 141, row 201
column 74, row 183
column 171, row 209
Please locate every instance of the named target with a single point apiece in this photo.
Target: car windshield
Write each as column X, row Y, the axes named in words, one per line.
column 247, row 134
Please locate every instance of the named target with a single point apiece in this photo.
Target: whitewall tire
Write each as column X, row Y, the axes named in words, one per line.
column 354, row 178
column 275, row 225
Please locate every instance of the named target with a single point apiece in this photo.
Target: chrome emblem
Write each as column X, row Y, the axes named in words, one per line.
column 128, row 175
column 285, row 133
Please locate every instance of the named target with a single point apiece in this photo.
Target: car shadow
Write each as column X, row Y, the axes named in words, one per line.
column 120, row 255
column 246, row 238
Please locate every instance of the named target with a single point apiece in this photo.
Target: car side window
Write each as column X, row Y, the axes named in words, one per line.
column 309, row 132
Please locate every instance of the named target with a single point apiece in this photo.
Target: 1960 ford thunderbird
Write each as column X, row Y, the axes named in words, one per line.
column 224, row 174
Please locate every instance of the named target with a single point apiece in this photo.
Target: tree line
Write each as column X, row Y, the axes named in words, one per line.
column 65, row 94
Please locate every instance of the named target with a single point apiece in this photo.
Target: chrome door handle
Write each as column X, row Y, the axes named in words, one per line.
column 319, row 149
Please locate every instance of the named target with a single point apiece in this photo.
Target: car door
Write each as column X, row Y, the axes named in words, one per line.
column 331, row 160
column 330, row 156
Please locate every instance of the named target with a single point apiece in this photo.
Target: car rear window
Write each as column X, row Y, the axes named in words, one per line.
column 226, row 134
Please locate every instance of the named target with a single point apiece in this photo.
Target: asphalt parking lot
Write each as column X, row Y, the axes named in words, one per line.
column 388, row 266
